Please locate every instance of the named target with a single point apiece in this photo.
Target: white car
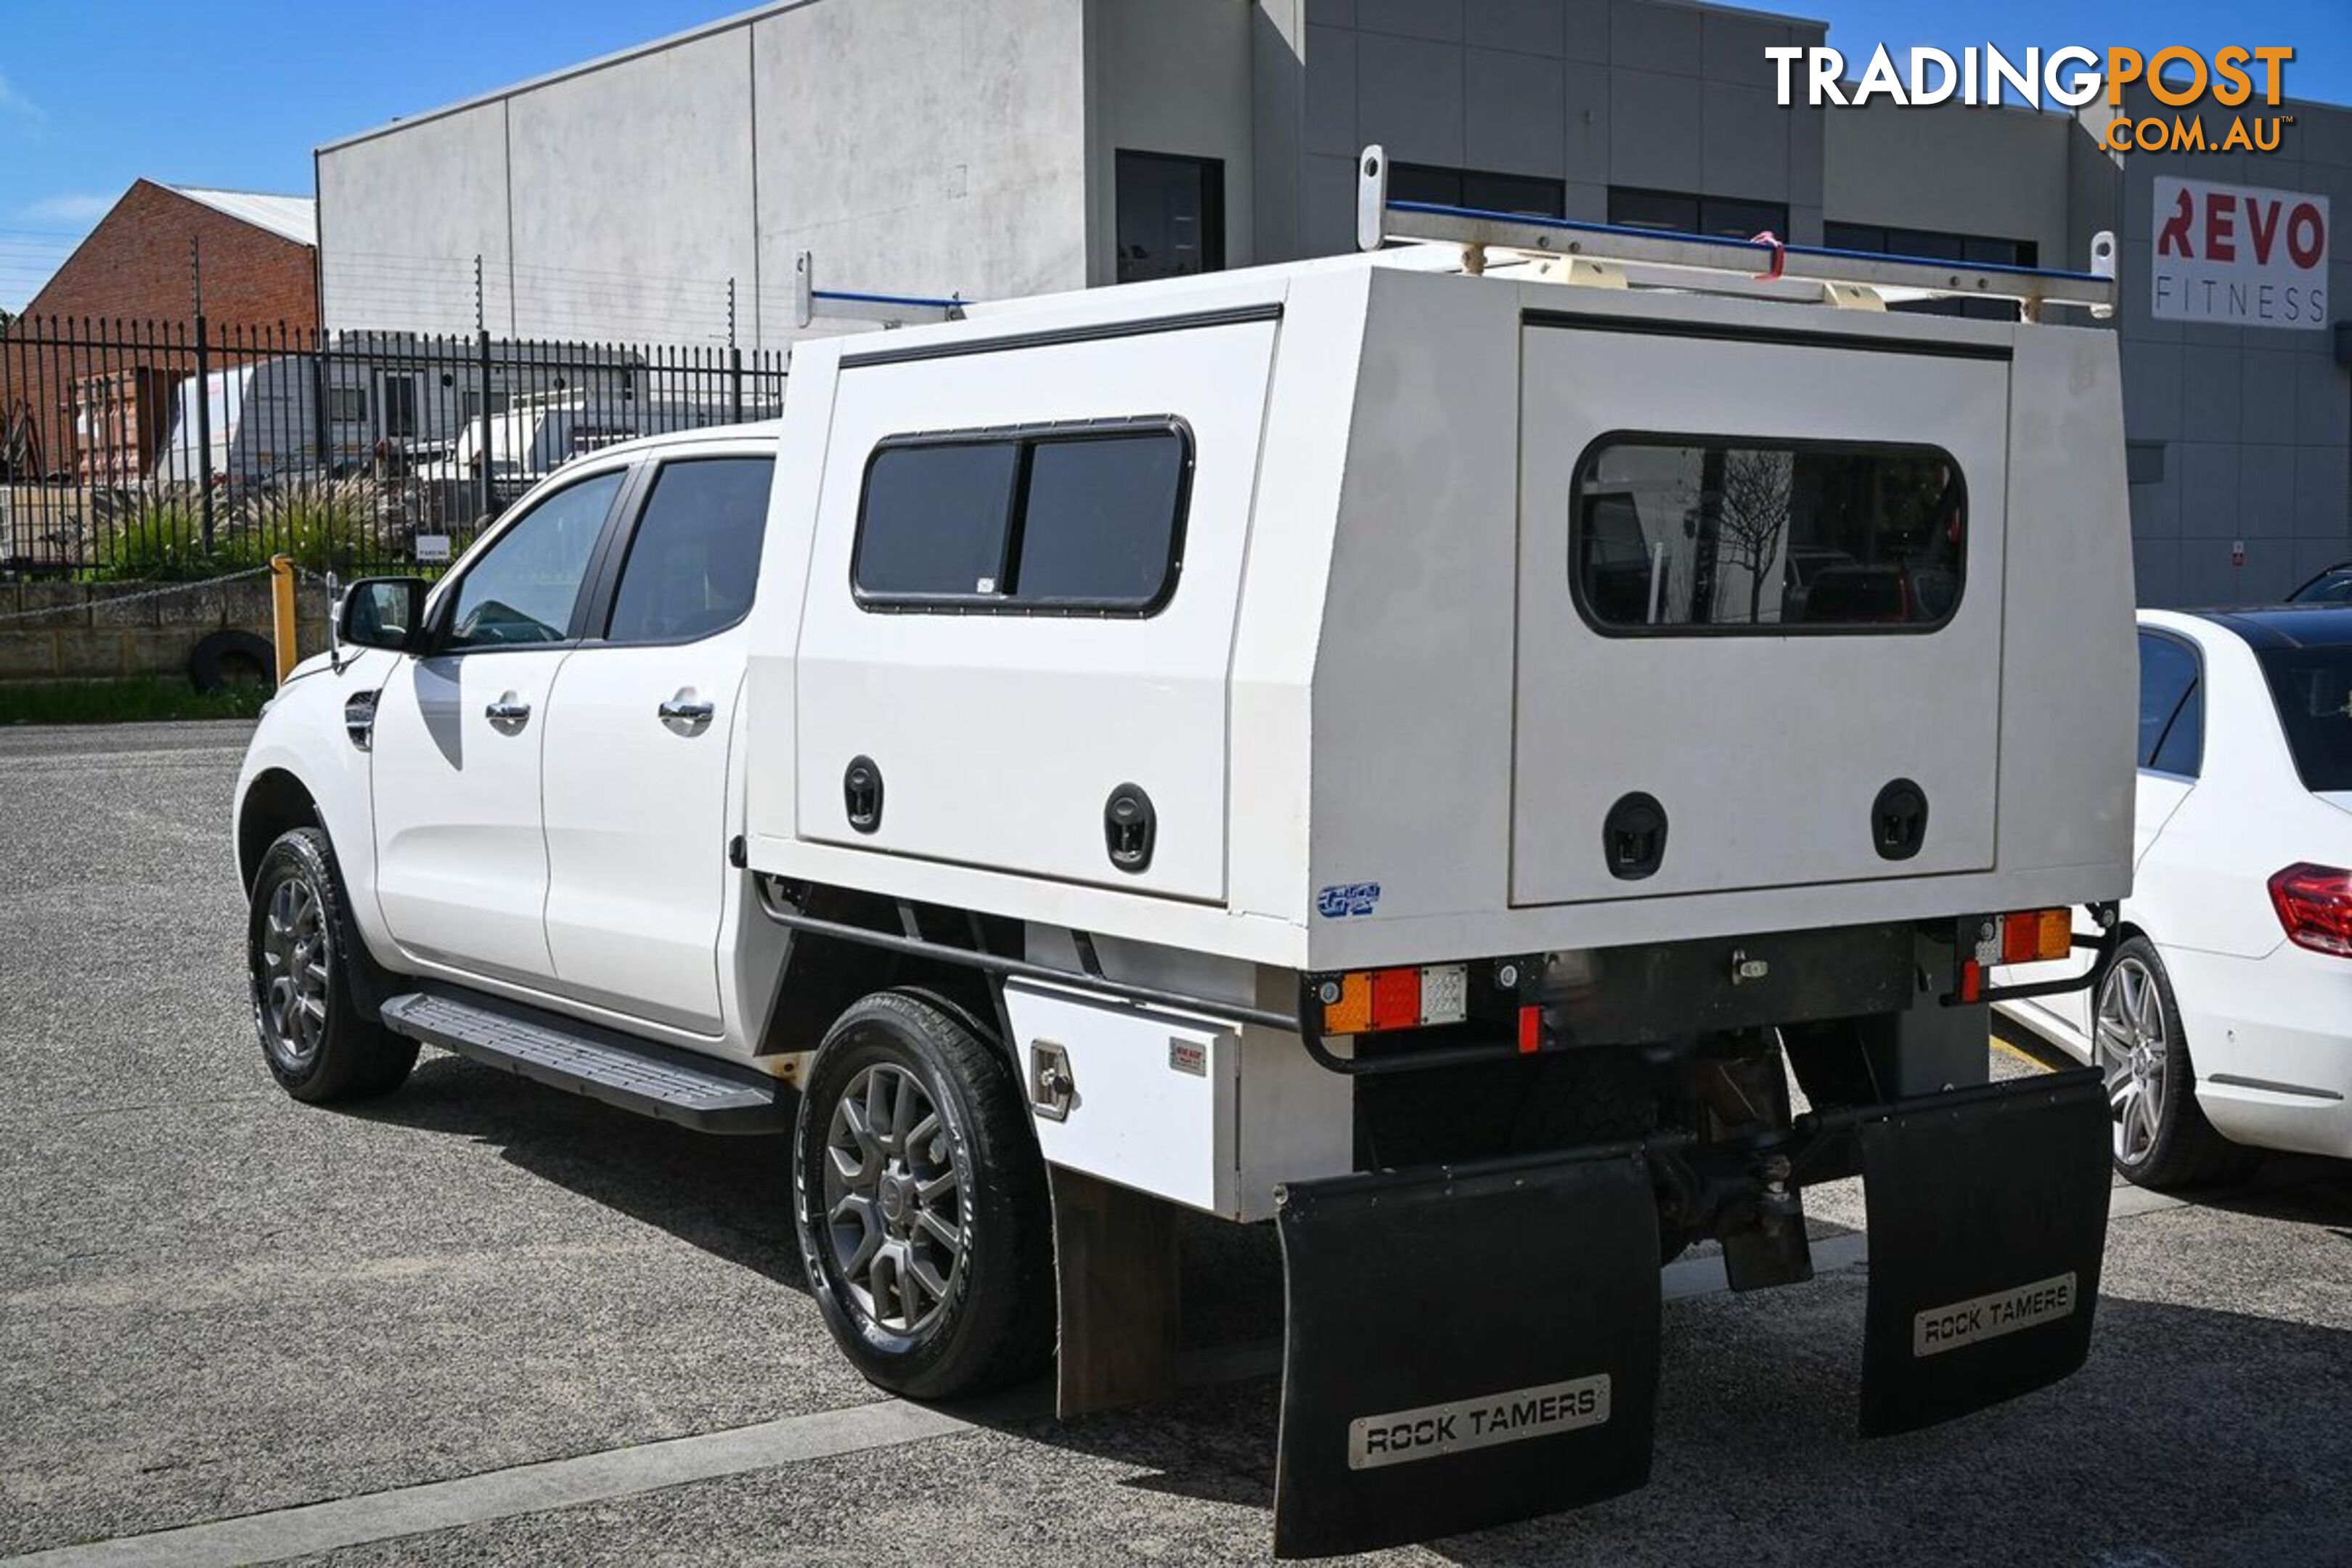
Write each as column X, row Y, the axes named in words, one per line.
column 2224, row 1021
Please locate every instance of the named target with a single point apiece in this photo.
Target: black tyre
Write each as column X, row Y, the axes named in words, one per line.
column 307, row 967
column 920, row 1202
column 2162, row 1137
column 227, row 658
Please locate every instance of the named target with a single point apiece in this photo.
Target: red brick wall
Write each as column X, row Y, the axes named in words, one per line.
column 134, row 269
column 134, row 264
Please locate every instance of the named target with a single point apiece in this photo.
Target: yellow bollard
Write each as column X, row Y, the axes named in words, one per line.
column 281, row 614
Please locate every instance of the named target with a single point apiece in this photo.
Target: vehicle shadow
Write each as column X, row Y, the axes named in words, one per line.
column 2193, row 1435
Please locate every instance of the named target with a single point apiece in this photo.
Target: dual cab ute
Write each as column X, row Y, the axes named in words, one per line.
column 1414, row 747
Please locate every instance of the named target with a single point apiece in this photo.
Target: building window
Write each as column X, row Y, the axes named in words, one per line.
column 1524, row 196
column 347, row 405
column 1171, row 216
column 1061, row 518
column 399, row 405
column 1721, row 217
column 1932, row 244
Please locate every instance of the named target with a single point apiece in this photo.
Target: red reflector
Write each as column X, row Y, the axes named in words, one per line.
column 2314, row 906
column 1396, row 998
column 1530, row 1030
column 1971, row 980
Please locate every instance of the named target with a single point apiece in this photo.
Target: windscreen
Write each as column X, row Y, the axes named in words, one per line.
column 1726, row 533
column 2312, row 688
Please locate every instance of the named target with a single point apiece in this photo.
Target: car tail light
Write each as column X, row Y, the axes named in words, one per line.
column 1368, row 1001
column 2315, row 906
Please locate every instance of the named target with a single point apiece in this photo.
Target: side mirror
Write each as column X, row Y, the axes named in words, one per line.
column 382, row 612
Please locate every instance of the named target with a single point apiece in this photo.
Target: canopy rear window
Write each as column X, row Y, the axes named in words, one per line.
column 1699, row 535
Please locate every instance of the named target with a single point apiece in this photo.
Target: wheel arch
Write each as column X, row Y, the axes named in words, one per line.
column 275, row 801
column 823, row 976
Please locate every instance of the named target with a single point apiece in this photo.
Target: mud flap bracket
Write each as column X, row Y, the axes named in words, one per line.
column 1987, row 1214
column 1466, row 1346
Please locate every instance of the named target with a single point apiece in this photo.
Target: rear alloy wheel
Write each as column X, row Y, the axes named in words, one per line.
column 921, row 1203
column 2162, row 1137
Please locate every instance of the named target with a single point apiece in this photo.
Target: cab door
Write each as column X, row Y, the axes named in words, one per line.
column 461, row 852
column 641, row 724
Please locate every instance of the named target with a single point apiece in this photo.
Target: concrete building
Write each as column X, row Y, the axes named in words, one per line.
column 1009, row 147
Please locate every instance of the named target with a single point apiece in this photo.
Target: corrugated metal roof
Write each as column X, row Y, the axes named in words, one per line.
column 289, row 217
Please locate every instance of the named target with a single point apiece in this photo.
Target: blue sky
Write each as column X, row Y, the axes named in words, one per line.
column 235, row 93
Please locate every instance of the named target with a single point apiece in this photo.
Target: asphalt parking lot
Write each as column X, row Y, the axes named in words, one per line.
column 484, row 1321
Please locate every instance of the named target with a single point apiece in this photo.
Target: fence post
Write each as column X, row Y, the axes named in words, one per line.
column 204, row 432
column 734, row 359
column 482, row 454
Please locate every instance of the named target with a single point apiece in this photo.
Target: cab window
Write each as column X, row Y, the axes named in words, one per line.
column 523, row 588
column 695, row 557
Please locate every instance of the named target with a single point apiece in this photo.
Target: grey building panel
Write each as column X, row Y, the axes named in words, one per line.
column 1331, row 92
column 1515, row 105
column 1409, row 98
column 2266, row 489
column 2154, row 394
column 1440, row 20
column 2208, row 489
column 2323, row 398
column 1744, row 142
column 1585, row 115
column 2313, row 556
column 2267, row 388
column 1654, row 135
column 1332, row 13
column 1805, row 174
column 1524, row 27
column 2156, row 508
column 1330, row 220
column 2210, row 379
column 1584, row 30
column 1732, row 45
column 2156, row 570
column 1645, row 38
column 2321, row 504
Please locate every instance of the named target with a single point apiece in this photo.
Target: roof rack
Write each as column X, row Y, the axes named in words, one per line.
column 1613, row 255
column 811, row 303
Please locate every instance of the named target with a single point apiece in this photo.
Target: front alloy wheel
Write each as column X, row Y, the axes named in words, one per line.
column 296, row 981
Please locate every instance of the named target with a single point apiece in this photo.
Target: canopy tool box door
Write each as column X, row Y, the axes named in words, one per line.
column 1759, row 611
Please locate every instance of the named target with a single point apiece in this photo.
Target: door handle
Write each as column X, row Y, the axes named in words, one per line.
column 508, row 710
column 685, row 711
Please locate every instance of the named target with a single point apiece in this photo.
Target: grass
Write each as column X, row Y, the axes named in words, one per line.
column 137, row 700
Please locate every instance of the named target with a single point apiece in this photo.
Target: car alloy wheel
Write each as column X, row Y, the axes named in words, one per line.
column 894, row 1209
column 2133, row 1048
column 295, row 975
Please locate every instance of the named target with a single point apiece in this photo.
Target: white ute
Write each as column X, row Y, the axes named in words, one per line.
column 1407, row 746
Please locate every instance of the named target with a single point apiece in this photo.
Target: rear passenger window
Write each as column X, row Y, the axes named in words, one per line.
column 2172, row 718
column 695, row 557
column 1695, row 534
column 1061, row 519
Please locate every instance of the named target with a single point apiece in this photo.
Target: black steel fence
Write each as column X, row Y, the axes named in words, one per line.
column 172, row 450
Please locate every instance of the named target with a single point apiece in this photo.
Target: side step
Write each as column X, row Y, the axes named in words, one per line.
column 700, row 1092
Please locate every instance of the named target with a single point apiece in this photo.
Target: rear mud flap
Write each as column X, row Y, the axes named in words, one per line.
column 1465, row 1347
column 1988, row 1217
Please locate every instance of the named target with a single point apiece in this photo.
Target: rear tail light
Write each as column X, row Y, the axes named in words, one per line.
column 2036, row 936
column 2314, row 906
column 1368, row 1001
